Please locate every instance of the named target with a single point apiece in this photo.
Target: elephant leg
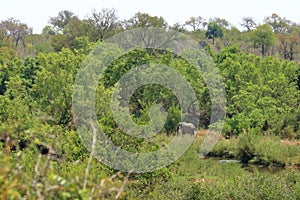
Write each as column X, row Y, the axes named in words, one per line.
column 179, row 132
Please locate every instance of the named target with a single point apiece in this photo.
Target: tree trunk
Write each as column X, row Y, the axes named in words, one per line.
column 285, row 51
column 291, row 52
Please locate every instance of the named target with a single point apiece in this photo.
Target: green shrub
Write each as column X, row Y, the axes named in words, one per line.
column 246, row 146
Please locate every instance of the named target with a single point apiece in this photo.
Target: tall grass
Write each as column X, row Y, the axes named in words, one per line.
column 197, row 178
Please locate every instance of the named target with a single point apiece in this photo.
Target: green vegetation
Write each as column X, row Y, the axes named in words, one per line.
column 194, row 178
column 42, row 156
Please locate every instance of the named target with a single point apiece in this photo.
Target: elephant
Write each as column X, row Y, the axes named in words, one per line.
column 185, row 128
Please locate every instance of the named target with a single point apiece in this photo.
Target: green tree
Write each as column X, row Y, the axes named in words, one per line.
column 78, row 28
column 54, row 84
column 62, row 20
column 277, row 23
column 9, row 67
column 261, row 93
column 214, row 31
column 145, row 20
column 103, row 24
column 16, row 30
column 231, row 36
column 264, row 37
column 37, row 43
column 289, row 42
column 60, row 41
column 48, row 30
column 221, row 22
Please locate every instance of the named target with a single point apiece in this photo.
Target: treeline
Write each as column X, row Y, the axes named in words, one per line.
column 262, row 94
column 275, row 36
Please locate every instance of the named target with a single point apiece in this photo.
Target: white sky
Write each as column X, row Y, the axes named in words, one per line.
column 36, row 13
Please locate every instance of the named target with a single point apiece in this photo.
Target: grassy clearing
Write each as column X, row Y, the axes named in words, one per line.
column 257, row 149
column 190, row 177
column 195, row 178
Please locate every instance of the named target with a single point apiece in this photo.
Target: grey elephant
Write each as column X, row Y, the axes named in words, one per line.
column 185, row 128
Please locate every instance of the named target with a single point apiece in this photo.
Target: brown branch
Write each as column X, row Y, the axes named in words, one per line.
column 123, row 185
